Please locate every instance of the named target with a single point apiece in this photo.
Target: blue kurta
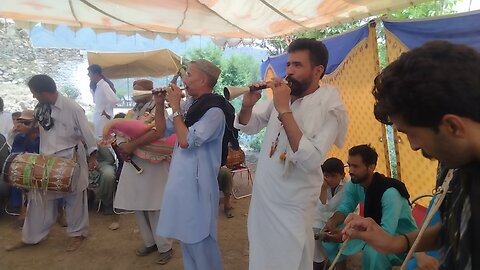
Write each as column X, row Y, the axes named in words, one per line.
column 190, row 204
column 396, row 219
column 21, row 144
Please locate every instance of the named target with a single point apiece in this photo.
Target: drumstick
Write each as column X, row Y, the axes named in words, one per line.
column 332, row 266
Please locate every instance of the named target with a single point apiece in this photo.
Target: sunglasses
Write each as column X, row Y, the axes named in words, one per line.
column 24, row 122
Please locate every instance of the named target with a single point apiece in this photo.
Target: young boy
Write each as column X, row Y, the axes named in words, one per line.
column 330, row 196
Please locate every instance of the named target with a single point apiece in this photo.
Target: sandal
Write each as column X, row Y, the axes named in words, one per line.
column 165, row 257
column 144, row 251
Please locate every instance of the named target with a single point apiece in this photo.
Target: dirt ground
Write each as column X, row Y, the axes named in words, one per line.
column 105, row 249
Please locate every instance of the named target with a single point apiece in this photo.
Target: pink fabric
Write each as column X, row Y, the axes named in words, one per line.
column 128, row 128
column 132, row 129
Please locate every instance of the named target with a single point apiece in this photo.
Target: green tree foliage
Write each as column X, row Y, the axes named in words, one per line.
column 70, row 91
column 423, row 10
column 237, row 70
column 211, row 53
column 426, row 9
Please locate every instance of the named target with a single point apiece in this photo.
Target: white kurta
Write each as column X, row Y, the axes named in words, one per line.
column 104, row 99
column 143, row 191
column 6, row 123
column 323, row 212
column 70, row 128
column 281, row 211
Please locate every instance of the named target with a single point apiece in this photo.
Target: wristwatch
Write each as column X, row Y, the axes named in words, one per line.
column 175, row 114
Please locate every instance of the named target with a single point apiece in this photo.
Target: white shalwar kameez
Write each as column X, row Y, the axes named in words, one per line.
column 285, row 192
column 104, row 99
column 323, row 212
column 143, row 193
column 70, row 128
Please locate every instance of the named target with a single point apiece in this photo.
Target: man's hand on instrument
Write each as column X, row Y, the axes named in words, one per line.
column 281, row 94
column 366, row 229
column 174, row 95
column 332, row 233
column 126, row 150
column 333, row 236
column 251, row 97
column 359, row 227
column 159, row 96
column 330, row 226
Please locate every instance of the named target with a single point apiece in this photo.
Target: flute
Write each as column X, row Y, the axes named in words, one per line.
column 174, row 80
column 231, row 92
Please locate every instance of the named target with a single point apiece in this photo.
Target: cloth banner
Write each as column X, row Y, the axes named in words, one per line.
column 353, row 65
column 417, row 172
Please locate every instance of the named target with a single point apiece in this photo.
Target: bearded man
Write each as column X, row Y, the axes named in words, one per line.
column 303, row 121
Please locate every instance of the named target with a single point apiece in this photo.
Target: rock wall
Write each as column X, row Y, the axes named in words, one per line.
column 17, row 56
column 19, row 60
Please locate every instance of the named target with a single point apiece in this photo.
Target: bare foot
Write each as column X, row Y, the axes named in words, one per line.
column 74, row 243
column 18, row 245
column 114, row 226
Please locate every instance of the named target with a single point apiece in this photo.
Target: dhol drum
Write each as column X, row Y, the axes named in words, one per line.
column 38, row 172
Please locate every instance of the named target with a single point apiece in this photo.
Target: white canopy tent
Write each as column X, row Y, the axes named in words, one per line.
column 245, row 19
column 158, row 63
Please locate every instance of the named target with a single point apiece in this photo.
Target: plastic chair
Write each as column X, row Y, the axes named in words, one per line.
column 419, row 211
column 242, row 168
column 23, row 199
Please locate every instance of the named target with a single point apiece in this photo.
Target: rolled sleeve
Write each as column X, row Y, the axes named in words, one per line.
column 209, row 127
column 313, row 148
column 259, row 119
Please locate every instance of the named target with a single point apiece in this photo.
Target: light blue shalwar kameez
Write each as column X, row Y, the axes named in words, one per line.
column 190, row 204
